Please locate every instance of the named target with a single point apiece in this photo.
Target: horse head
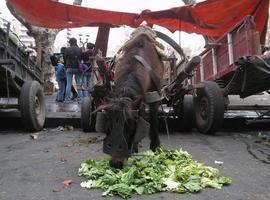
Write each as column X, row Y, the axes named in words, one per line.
column 120, row 127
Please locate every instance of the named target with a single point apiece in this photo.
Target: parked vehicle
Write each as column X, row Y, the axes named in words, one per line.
column 21, row 82
column 231, row 65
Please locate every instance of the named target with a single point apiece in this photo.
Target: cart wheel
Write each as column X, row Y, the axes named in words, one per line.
column 87, row 118
column 209, row 108
column 187, row 113
column 32, row 106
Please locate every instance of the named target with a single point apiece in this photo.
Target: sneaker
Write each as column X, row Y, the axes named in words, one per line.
column 68, row 101
column 58, row 101
column 74, row 96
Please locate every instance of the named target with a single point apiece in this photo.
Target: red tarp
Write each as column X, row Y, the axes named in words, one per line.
column 51, row 14
column 211, row 18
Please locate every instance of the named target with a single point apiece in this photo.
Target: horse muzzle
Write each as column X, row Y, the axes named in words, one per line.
column 116, row 144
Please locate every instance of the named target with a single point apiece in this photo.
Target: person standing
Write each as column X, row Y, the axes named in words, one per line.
column 73, row 91
column 72, row 58
column 86, row 76
column 60, row 75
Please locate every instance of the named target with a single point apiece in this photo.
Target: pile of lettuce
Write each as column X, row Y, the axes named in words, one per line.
column 150, row 172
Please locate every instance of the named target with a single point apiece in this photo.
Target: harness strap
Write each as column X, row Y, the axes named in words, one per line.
column 152, row 74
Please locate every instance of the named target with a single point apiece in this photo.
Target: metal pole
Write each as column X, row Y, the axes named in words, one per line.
column 102, row 39
column 230, row 48
column 7, row 38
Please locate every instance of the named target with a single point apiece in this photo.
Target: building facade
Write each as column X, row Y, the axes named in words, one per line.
column 17, row 29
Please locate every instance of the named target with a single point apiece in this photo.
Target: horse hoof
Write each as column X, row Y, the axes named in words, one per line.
column 135, row 148
column 116, row 164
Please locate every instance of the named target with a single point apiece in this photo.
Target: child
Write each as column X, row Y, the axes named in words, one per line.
column 60, row 74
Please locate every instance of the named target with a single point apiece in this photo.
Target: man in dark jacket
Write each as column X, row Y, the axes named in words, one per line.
column 73, row 91
column 72, row 58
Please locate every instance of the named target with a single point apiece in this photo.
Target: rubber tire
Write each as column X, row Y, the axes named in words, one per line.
column 187, row 113
column 87, row 118
column 212, row 94
column 100, row 122
column 31, row 92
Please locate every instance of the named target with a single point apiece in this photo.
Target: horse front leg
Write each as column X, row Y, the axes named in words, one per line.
column 153, row 117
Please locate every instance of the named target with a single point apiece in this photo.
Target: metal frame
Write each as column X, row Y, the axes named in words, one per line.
column 16, row 67
column 231, row 61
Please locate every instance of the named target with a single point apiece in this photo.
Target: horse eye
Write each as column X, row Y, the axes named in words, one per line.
column 109, row 145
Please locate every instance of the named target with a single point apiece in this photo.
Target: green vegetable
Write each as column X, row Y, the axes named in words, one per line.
column 150, row 172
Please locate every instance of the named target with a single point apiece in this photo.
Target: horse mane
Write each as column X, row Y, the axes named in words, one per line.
column 136, row 41
column 129, row 84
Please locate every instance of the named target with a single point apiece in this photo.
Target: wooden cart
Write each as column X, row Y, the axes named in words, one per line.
column 20, row 82
column 231, row 65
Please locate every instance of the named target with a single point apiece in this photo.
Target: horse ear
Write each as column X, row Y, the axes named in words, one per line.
column 136, row 102
column 102, row 107
column 107, row 99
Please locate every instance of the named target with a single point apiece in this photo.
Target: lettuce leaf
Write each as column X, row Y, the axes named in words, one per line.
column 150, row 172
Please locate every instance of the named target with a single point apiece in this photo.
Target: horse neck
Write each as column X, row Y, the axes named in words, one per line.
column 128, row 84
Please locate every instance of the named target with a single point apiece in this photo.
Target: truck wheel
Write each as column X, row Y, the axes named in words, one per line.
column 187, row 113
column 209, row 108
column 100, row 122
column 87, row 118
column 32, row 106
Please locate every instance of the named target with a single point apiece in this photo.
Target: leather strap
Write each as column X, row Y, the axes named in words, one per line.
column 152, row 74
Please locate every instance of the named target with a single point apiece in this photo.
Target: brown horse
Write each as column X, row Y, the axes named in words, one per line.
column 137, row 72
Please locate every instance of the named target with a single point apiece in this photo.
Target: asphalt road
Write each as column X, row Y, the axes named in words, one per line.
column 31, row 169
